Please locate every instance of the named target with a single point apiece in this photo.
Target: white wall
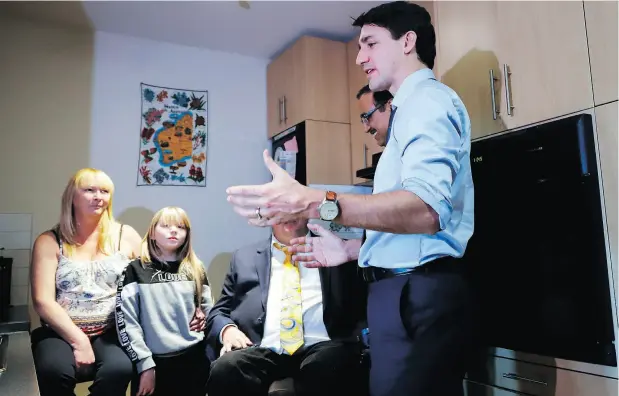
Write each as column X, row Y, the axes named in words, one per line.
column 236, row 133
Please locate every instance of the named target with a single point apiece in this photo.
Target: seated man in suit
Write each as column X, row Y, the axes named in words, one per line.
column 274, row 320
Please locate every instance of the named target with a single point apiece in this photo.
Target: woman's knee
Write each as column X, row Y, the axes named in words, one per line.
column 54, row 360
column 115, row 368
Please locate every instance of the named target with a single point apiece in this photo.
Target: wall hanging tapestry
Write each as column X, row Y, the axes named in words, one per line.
column 173, row 137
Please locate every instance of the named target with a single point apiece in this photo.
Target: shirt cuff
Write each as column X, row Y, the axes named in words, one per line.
column 221, row 333
column 145, row 364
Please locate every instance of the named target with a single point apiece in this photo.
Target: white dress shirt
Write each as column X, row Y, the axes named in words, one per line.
column 314, row 329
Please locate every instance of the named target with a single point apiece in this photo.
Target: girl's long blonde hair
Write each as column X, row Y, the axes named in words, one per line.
column 67, row 226
column 190, row 263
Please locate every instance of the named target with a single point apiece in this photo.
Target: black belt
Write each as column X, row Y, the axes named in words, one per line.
column 443, row 264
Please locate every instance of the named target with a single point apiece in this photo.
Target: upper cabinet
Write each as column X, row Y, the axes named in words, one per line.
column 308, row 81
column 514, row 63
column 362, row 144
column 468, row 59
column 544, row 51
column 601, row 17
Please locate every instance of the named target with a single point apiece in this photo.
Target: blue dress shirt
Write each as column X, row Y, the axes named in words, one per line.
column 427, row 153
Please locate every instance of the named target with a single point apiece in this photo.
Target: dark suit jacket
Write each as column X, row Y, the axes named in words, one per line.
column 244, row 297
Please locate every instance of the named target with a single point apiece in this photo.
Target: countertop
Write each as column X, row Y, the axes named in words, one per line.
column 18, row 320
column 17, row 373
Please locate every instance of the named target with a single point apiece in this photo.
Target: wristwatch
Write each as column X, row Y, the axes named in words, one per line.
column 329, row 209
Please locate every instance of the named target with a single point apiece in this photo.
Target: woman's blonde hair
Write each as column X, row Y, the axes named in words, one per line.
column 67, row 226
column 190, row 263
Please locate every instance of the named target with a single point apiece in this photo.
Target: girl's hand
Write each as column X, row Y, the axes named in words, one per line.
column 198, row 322
column 147, row 382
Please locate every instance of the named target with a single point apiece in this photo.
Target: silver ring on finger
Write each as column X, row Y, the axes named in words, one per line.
column 258, row 213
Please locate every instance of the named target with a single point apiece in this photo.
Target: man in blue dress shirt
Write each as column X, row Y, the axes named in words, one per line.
column 418, row 220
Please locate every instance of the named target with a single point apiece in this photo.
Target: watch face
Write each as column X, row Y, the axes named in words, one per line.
column 329, row 211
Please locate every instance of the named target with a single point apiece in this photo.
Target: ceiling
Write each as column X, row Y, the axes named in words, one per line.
column 263, row 31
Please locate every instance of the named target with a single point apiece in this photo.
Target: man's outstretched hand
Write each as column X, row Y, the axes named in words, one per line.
column 283, row 199
column 325, row 250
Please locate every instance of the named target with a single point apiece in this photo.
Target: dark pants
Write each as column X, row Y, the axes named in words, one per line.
column 421, row 334
column 183, row 374
column 56, row 371
column 325, row 369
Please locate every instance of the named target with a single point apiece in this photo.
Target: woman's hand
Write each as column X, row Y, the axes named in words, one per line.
column 83, row 353
column 147, row 382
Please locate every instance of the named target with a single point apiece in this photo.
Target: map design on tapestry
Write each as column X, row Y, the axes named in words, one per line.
column 173, row 137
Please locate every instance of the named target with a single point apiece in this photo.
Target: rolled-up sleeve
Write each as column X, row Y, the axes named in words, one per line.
column 430, row 143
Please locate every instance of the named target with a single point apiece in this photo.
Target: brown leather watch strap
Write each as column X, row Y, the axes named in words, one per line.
column 331, row 196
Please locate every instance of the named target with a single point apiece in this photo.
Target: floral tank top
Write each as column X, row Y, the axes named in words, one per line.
column 87, row 289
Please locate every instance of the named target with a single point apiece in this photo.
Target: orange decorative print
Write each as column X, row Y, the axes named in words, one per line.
column 162, row 95
column 198, row 159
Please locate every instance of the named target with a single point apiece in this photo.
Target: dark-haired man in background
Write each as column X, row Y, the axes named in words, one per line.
column 419, row 218
column 375, row 112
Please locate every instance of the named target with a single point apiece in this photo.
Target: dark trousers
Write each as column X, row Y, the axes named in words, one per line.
column 421, row 334
column 56, row 371
column 327, row 368
column 183, row 374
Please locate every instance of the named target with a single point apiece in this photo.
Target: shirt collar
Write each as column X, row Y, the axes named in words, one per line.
column 409, row 83
column 274, row 240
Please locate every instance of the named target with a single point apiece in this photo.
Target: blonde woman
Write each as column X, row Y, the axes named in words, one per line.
column 75, row 270
column 159, row 294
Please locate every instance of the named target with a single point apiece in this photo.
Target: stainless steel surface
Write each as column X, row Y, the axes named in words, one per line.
column 521, row 378
column 4, row 352
column 19, row 378
column 588, row 368
column 492, row 94
column 508, row 95
column 19, row 320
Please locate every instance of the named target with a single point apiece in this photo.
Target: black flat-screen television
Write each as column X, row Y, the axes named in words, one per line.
column 537, row 259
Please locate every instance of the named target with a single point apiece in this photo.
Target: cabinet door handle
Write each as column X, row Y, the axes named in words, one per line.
column 492, row 94
column 365, row 155
column 285, row 115
column 519, row 378
column 279, row 109
column 508, row 99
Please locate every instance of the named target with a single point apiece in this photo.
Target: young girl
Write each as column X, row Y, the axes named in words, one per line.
column 156, row 301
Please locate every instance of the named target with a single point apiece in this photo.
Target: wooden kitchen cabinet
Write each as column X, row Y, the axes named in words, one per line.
column 469, row 46
column 542, row 46
column 601, row 18
column 362, row 144
column 327, row 152
column 606, row 119
column 308, row 81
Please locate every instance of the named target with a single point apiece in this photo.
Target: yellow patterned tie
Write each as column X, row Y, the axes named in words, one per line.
column 291, row 321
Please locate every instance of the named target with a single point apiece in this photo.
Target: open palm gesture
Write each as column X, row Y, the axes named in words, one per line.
column 325, row 250
column 276, row 202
